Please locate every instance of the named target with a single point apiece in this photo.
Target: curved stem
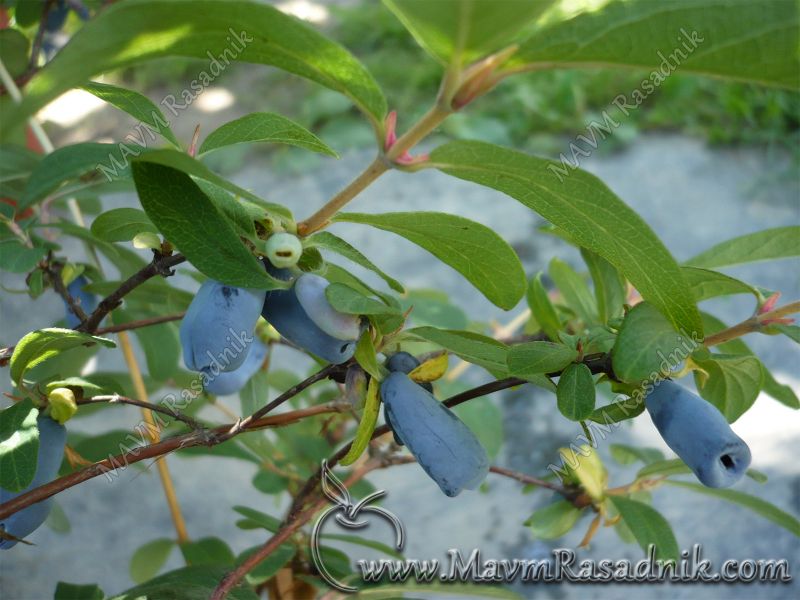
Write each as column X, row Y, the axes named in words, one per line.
column 429, row 121
column 752, row 324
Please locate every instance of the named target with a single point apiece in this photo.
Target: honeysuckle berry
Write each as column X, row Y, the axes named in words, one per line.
column 403, row 362
column 310, row 292
column 62, row 404
column 231, row 382
column 283, row 250
column 86, row 300
column 698, row 433
column 445, row 448
column 309, row 329
column 52, row 438
column 218, row 329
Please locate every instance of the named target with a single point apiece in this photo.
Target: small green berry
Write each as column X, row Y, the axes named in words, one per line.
column 62, row 404
column 284, row 250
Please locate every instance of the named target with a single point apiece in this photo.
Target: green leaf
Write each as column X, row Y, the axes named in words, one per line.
column 757, row 505
column 469, row 346
column 129, row 33
column 538, row 358
column 16, row 162
column 188, row 219
column 349, row 301
column 268, row 482
column 267, row 568
column 485, row 420
column 770, row 386
column 731, row 383
column 16, row 258
column 70, row 162
column 647, row 344
column 77, row 591
column 460, row 31
column 366, row 357
column 587, row 210
column 620, row 410
column 369, row 417
column 328, row 241
column 92, row 385
column 770, row 244
column 626, row 455
column 14, row 51
column 43, row 344
column 188, row 583
column 255, row 519
column 553, row 520
column 573, row 288
column 575, row 392
column 691, row 36
column 669, row 467
column 648, row 527
column 472, row 249
column 19, row 445
column 121, row 224
column 162, row 349
column 542, row 308
column 207, row 551
column 706, row 284
column 138, row 106
column 191, row 166
column 609, row 286
column 790, row 331
column 586, row 468
column 352, row 539
column 149, row 559
column 264, row 127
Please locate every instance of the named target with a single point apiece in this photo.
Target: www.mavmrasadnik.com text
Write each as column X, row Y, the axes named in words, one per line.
column 565, row 567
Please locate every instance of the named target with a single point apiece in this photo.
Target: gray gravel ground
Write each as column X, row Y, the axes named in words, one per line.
column 691, row 195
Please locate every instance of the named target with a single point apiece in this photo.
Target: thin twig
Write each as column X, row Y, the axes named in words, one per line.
column 160, row 265
column 164, row 410
column 140, row 324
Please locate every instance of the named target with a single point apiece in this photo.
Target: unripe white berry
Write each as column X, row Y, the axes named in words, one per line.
column 284, row 250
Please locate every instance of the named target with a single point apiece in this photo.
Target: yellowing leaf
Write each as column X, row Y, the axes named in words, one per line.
column 431, row 369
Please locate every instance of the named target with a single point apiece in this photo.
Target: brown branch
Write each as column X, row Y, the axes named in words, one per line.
column 53, row 270
column 160, row 265
column 196, row 438
column 139, row 324
column 233, row 578
column 36, row 47
column 164, row 410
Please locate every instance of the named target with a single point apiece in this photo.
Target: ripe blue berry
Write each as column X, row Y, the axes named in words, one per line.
column 232, row 381
column 52, row 437
column 698, row 433
column 285, row 312
column 217, row 331
column 403, row 362
column 445, row 448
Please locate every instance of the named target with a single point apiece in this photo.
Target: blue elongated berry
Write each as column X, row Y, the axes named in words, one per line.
column 52, row 437
column 86, row 300
column 310, row 292
column 283, row 310
column 445, row 448
column 698, row 433
column 404, row 362
column 217, row 331
column 57, row 17
column 230, row 382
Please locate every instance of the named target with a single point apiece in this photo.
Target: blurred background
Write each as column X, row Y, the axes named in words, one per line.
column 701, row 161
